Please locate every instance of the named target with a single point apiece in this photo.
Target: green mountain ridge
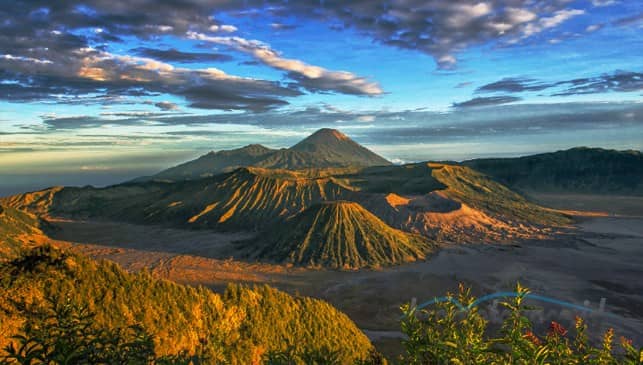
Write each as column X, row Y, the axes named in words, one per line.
column 577, row 170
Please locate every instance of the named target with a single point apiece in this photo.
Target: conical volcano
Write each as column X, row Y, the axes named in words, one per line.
column 326, row 148
column 332, row 145
column 340, row 235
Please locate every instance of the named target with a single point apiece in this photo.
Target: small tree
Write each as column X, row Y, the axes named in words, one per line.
column 449, row 333
column 62, row 332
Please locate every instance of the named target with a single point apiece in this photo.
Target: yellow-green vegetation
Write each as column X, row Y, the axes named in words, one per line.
column 18, row 230
column 242, row 326
column 445, row 334
column 341, row 235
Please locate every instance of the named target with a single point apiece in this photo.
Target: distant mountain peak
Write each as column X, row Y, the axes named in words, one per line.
column 329, row 133
column 326, row 148
column 323, row 137
column 255, row 147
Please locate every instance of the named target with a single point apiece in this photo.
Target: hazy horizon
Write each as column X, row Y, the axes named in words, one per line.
column 100, row 177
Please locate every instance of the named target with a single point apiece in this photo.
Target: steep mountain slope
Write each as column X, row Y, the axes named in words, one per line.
column 326, row 148
column 214, row 163
column 331, row 148
column 338, row 234
column 237, row 327
column 469, row 208
column 577, row 170
column 483, row 193
column 440, row 201
column 246, row 199
column 36, row 202
column 249, row 198
column 18, row 231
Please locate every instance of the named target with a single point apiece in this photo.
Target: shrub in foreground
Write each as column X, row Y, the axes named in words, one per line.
column 445, row 334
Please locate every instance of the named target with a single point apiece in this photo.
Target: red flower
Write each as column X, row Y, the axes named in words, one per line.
column 626, row 341
column 532, row 338
column 556, row 328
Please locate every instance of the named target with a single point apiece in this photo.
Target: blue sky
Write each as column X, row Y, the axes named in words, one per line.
column 100, row 91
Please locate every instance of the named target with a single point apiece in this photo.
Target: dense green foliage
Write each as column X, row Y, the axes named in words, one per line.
column 61, row 332
column 239, row 327
column 577, row 170
column 340, row 235
column 444, row 334
column 18, row 230
column 61, row 308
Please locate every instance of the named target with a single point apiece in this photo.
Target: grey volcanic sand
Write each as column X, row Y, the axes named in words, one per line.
column 602, row 259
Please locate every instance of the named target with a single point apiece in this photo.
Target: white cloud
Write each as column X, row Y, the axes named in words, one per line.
column 225, row 28
column 366, row 118
column 593, row 27
column 11, row 57
column 465, row 13
column 310, row 76
column 600, row 3
column 557, row 18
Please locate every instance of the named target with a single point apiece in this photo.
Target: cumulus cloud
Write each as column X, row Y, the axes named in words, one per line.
column 552, row 21
column 435, row 27
column 56, row 51
column 440, row 28
column 313, row 78
column 91, row 71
